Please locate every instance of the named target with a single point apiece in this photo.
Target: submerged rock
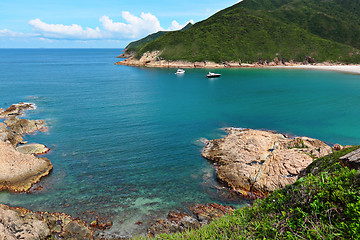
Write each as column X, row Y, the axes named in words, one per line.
column 20, row 171
column 179, row 221
column 255, row 163
column 33, row 148
column 20, row 223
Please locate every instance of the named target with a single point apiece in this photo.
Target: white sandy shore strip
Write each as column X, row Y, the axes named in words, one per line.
column 355, row 69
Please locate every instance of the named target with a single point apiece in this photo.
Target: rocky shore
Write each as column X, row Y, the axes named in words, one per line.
column 21, row 169
column 20, row 223
column 255, row 163
column 152, row 59
column 200, row 214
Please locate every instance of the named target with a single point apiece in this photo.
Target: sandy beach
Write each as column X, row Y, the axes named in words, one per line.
column 354, row 69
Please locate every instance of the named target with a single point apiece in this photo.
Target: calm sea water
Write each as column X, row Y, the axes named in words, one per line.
column 126, row 141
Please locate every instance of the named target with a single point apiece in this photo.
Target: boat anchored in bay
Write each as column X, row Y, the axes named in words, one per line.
column 213, row 75
column 180, row 71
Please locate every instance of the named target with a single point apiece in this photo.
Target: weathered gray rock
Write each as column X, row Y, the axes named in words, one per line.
column 13, row 225
column 256, row 163
column 20, row 223
column 351, row 160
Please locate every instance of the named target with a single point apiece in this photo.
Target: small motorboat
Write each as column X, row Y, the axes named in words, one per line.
column 213, row 75
column 180, row 71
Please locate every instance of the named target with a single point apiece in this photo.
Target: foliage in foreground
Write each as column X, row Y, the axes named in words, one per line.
column 323, row 205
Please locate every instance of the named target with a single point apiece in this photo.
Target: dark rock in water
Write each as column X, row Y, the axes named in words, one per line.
column 24, row 126
column 16, row 110
column 180, row 221
column 351, row 160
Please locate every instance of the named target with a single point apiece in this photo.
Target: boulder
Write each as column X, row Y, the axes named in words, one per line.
column 19, row 172
column 255, row 163
column 33, row 148
column 14, row 225
column 337, row 147
column 351, row 160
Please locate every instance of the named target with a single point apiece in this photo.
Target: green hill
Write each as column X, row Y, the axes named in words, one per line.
column 136, row 45
column 327, row 30
column 325, row 204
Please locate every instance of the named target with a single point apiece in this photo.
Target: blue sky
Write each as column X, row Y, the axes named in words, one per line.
column 95, row 23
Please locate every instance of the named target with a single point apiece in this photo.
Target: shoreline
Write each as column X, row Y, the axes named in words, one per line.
column 149, row 61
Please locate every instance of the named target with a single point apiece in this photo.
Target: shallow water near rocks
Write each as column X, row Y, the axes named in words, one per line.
column 126, row 142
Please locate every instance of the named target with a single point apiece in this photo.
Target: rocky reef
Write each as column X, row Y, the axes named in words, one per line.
column 20, row 223
column 21, row 169
column 200, row 214
column 255, row 163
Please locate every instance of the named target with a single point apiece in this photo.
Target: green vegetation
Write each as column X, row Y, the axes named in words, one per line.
column 327, row 30
column 137, row 45
column 324, row 204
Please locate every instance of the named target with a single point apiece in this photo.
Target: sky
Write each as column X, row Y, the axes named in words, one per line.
column 95, row 23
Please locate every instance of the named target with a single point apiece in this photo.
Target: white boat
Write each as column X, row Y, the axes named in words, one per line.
column 180, row 71
column 213, row 75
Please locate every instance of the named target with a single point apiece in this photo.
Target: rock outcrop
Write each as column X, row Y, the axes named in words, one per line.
column 19, row 172
column 255, row 163
column 179, row 221
column 20, row 223
column 16, row 109
column 351, row 160
column 20, row 169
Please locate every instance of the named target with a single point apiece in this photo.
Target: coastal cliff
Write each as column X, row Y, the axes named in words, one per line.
column 255, row 163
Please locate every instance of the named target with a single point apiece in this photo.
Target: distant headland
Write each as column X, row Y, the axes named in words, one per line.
column 257, row 34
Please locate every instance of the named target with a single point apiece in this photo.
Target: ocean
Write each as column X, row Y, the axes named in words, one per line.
column 126, row 141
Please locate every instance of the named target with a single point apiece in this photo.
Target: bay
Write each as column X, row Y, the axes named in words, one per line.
column 126, row 142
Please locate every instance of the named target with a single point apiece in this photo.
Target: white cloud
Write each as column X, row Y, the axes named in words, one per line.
column 8, row 33
column 134, row 27
column 60, row 31
column 176, row 26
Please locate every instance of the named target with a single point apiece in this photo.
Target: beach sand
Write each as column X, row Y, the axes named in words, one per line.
column 354, row 69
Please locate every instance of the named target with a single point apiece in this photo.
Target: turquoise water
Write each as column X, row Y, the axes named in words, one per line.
column 126, row 141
